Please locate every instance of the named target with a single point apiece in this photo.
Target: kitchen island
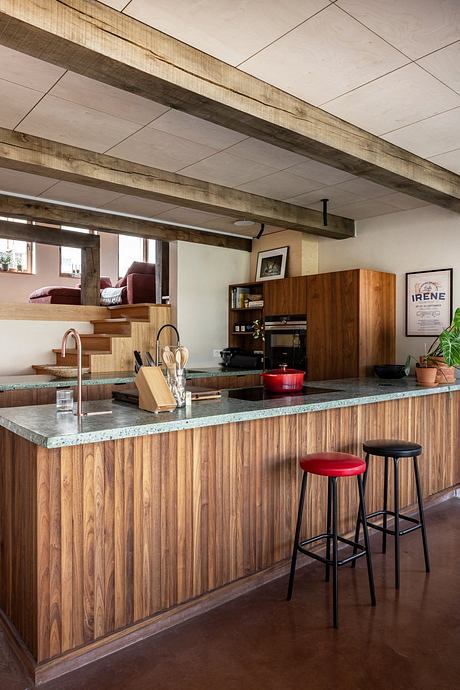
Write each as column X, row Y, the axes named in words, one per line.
column 114, row 527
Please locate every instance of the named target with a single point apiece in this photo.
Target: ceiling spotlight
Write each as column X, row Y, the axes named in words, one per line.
column 243, row 223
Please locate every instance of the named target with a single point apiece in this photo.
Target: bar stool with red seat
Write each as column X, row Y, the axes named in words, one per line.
column 332, row 466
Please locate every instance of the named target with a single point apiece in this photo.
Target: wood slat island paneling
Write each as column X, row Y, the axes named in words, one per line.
column 99, row 541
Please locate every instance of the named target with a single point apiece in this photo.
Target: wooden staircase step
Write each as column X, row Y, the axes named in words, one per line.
column 112, row 327
column 71, row 357
column 131, row 311
column 98, row 341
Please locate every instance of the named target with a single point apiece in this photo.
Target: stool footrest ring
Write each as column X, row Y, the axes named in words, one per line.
column 329, row 561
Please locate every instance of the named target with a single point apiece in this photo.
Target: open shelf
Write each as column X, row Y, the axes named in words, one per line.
column 246, row 308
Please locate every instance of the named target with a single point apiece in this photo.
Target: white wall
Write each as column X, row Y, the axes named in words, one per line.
column 422, row 239
column 24, row 343
column 199, row 280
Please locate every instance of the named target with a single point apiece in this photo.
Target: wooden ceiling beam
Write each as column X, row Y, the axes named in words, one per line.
column 99, row 42
column 43, row 157
column 102, row 221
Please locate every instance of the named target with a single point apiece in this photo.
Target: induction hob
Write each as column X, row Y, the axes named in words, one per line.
column 255, row 393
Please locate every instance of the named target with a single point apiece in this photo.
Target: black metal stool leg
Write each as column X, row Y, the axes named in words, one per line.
column 385, row 507
column 396, row 511
column 297, row 535
column 362, row 511
column 358, row 520
column 328, row 525
column 421, row 514
column 335, row 569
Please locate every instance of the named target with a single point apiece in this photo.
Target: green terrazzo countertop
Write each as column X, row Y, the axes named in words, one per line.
column 44, row 426
column 24, row 382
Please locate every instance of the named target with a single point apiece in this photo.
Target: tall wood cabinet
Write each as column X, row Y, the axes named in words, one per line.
column 285, row 297
column 351, row 323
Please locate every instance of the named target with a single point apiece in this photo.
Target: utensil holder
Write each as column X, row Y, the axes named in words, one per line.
column 177, row 385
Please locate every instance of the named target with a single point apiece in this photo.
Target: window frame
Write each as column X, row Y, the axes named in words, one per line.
column 30, row 250
column 63, row 274
column 145, row 251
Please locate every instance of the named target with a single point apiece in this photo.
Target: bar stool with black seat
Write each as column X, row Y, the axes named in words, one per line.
column 332, row 466
column 391, row 449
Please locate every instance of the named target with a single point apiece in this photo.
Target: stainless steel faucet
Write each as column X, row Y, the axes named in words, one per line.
column 79, row 413
column 76, row 335
column 166, row 325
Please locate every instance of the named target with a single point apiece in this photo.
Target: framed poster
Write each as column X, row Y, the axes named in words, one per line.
column 271, row 264
column 428, row 302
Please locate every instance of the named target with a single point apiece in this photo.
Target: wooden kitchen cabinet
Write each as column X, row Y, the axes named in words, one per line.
column 351, row 323
column 285, row 297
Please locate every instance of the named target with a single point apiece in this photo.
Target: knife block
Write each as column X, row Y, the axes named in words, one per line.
column 154, row 393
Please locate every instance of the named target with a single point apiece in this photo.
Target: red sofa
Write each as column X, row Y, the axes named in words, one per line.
column 138, row 286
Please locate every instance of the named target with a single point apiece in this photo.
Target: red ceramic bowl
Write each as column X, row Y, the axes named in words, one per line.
column 282, row 380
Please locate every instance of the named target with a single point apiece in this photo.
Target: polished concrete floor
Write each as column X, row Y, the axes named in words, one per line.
column 410, row 641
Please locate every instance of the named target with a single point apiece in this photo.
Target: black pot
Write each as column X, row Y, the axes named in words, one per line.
column 390, row 371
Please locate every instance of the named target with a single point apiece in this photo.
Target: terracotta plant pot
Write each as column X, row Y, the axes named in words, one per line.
column 426, row 376
column 444, row 374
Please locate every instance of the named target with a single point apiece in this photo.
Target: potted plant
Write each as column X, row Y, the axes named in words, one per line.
column 5, row 260
column 443, row 356
column 258, row 330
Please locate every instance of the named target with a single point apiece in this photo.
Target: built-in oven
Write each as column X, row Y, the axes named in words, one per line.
column 286, row 342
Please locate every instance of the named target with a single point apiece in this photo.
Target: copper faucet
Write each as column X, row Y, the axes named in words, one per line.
column 76, row 335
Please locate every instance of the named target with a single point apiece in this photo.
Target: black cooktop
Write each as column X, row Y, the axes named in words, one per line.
column 256, row 393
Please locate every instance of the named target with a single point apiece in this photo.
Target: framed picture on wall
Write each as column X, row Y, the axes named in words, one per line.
column 428, row 302
column 271, row 264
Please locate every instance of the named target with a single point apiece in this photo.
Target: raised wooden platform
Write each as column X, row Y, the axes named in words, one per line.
column 51, row 312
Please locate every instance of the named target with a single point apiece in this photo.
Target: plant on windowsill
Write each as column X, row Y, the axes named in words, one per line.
column 5, row 260
column 443, row 357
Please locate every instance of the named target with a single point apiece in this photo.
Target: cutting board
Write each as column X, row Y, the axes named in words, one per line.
column 131, row 395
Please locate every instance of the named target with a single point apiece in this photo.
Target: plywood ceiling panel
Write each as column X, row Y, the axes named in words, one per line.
column 231, row 31
column 430, row 137
column 418, row 95
column 24, row 183
column 95, row 95
column 161, row 150
column 228, row 170
column 138, row 206
column 445, row 65
column 77, row 125
column 195, row 129
column 22, row 69
column 79, row 194
column 450, row 160
column 416, row 27
column 325, row 57
column 281, row 185
column 15, row 102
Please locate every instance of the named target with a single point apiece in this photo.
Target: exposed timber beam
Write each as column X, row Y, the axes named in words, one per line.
column 99, row 42
column 89, row 245
column 43, row 157
column 46, row 212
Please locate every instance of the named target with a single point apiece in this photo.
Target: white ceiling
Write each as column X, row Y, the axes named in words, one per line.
column 392, row 68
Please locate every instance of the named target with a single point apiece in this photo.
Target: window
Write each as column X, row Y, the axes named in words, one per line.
column 70, row 257
column 134, row 249
column 16, row 256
